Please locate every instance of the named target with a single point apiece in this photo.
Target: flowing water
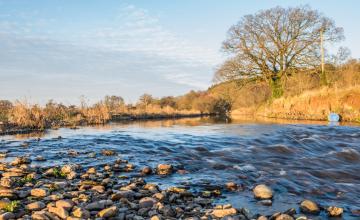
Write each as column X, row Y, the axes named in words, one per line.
column 313, row 161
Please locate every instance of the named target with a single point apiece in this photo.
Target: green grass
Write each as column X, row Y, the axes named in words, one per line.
column 12, row 206
column 57, row 173
column 26, row 179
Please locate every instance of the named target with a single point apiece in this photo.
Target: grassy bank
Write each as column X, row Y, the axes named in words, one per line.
column 305, row 95
column 311, row 105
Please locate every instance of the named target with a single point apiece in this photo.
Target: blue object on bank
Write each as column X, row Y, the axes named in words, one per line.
column 333, row 117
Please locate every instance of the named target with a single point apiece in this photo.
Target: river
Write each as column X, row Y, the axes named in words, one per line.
column 298, row 160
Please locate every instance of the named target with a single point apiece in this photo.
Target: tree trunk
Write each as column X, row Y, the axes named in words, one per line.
column 276, row 87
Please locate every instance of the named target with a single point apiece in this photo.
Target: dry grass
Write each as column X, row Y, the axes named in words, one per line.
column 316, row 105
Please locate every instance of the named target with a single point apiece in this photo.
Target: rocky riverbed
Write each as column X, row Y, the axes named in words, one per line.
column 71, row 192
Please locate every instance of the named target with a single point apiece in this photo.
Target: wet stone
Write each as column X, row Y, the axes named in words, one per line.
column 308, row 206
column 262, row 192
column 335, row 211
column 164, row 169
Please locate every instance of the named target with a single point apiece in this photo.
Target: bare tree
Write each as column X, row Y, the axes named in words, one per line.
column 271, row 43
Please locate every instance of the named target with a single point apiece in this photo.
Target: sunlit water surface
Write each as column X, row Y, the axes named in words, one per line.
column 297, row 160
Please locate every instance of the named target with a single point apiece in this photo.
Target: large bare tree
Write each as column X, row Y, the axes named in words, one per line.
column 271, row 43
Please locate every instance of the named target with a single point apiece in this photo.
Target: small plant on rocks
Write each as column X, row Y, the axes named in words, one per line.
column 12, row 206
column 57, row 173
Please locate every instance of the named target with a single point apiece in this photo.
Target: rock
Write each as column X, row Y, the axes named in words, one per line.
column 91, row 170
column 59, row 211
column 12, row 174
column 335, row 211
column 7, row 215
column 159, row 196
column 308, row 206
column 164, row 169
column 81, row 213
column 220, row 213
column 108, row 152
column 109, row 212
column 266, row 202
column 99, row 189
column 7, row 193
column 41, row 215
column 146, row 171
column 68, row 168
column 66, row 204
column 262, row 218
column 147, row 202
column 122, row 194
column 35, row 206
column 284, row 217
column 155, row 217
column 72, row 175
column 7, row 182
column 99, row 205
column 39, row 192
column 262, row 192
column 231, row 186
column 20, row 160
column 40, row 158
column 168, row 211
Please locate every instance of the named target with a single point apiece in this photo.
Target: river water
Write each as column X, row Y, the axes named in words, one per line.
column 297, row 160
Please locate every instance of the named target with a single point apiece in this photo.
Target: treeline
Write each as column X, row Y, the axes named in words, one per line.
column 23, row 115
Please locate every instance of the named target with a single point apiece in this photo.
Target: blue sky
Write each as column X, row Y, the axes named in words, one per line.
column 62, row 49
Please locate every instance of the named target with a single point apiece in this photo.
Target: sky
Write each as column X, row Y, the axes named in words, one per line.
column 65, row 49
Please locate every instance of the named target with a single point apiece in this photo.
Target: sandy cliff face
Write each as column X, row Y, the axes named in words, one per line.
column 312, row 105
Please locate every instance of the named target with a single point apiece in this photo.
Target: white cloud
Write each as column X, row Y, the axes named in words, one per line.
column 132, row 55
